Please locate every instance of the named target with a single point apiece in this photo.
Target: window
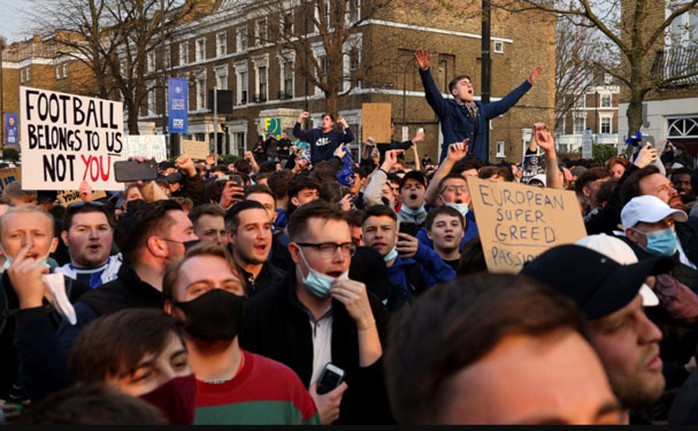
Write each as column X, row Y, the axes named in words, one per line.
column 606, row 126
column 263, row 80
column 262, row 32
column 288, row 80
column 183, row 53
column 167, row 58
column 354, row 10
column 580, row 125
column 606, row 100
column 150, row 63
column 221, row 44
column 200, row 49
column 324, row 65
column 580, row 103
column 201, row 92
column 242, row 39
column 242, row 83
column 500, row 150
column 151, row 102
column 239, row 142
column 287, row 23
column 59, row 68
column 65, row 70
column 222, row 78
column 354, row 59
column 498, row 47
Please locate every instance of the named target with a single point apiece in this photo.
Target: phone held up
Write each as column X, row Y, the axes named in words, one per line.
column 131, row 170
column 331, row 377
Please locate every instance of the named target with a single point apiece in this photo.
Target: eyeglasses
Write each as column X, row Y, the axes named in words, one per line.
column 456, row 189
column 328, row 249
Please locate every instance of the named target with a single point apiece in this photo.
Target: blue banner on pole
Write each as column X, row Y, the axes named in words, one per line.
column 10, row 121
column 178, row 104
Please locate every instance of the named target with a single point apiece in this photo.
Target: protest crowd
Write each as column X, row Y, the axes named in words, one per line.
column 305, row 285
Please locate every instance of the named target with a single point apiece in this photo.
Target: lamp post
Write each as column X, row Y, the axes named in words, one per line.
column 404, row 91
column 486, row 67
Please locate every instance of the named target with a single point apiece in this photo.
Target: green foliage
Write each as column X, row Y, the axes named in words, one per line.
column 10, row 154
column 229, row 158
column 600, row 152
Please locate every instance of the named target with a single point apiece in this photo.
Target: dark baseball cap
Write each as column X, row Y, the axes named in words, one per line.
column 413, row 175
column 596, row 283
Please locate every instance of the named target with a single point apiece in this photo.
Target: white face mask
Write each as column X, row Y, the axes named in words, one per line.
column 462, row 208
column 318, row 283
column 9, row 260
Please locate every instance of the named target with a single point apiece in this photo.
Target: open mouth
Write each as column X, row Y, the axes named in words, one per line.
column 458, row 201
column 449, row 237
column 335, row 274
column 413, row 196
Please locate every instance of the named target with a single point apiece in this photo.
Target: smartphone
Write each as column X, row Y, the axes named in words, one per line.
column 131, row 170
column 331, row 377
column 235, row 178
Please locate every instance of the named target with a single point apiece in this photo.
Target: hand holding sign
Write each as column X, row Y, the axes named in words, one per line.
column 85, row 191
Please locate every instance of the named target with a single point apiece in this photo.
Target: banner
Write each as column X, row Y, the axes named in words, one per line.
column 10, row 121
column 148, row 146
column 272, row 126
column 376, row 119
column 67, row 197
column 178, row 104
column 517, row 222
column 532, row 165
column 67, row 139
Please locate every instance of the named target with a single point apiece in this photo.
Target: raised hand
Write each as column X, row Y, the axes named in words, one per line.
column 423, row 58
column 458, row 150
column 542, row 137
column 534, row 74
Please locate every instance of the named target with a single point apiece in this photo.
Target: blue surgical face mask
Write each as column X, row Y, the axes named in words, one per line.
column 409, row 211
column 661, row 242
column 391, row 255
column 461, row 208
column 316, row 282
column 9, row 260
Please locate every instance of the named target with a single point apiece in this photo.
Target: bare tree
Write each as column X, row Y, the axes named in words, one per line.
column 322, row 36
column 574, row 66
column 114, row 39
column 634, row 37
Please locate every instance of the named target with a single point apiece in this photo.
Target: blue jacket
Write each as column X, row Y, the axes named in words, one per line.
column 456, row 122
column 470, row 232
column 432, row 270
column 322, row 145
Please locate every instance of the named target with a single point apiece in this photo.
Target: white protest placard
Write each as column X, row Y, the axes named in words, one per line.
column 148, row 146
column 67, row 139
column 195, row 149
column 517, row 222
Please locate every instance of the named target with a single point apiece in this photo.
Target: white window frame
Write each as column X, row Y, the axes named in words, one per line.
column 602, row 120
column 151, row 111
column 241, row 39
column 353, row 12
column 222, row 77
column 65, row 69
column 500, row 150
column 150, row 62
column 201, row 91
column 184, row 53
column 200, row 49
column 284, row 60
column 261, row 63
column 607, row 96
column 575, row 129
column 59, row 69
column 240, row 69
column 498, row 47
column 221, row 44
column 291, row 28
column 261, row 39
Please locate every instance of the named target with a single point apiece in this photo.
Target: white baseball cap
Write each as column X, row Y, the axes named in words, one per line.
column 648, row 209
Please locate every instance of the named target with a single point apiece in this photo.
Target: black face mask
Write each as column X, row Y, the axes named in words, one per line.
column 214, row 316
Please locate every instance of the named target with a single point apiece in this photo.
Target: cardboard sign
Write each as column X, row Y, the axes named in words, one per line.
column 67, row 139
column 148, row 146
column 195, row 149
column 376, row 121
column 7, row 176
column 67, row 197
column 518, row 222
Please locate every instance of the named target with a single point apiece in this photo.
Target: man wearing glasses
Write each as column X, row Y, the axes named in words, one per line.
column 317, row 315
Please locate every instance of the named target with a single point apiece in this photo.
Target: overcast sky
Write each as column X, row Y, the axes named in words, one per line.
column 12, row 21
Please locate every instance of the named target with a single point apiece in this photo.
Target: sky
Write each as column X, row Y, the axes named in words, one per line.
column 12, row 22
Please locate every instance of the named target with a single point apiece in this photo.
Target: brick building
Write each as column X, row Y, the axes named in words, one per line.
column 596, row 111
column 223, row 49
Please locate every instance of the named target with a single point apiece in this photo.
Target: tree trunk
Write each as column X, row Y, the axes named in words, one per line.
column 634, row 113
